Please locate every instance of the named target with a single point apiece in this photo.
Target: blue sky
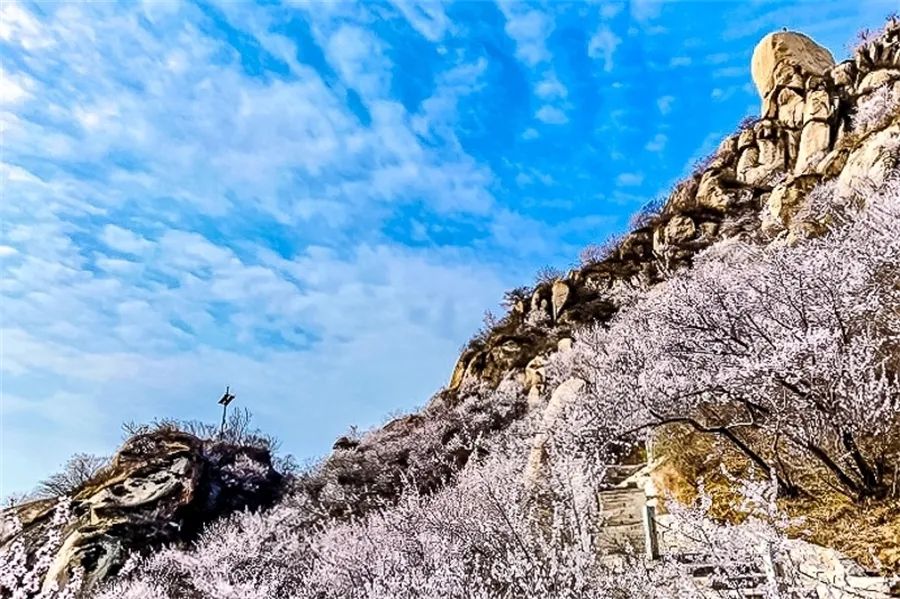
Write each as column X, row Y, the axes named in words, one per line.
column 316, row 202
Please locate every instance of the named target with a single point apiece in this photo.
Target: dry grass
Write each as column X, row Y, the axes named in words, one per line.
column 868, row 533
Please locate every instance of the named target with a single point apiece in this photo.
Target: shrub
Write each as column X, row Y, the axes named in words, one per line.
column 22, row 576
column 513, row 296
column 547, row 274
column 646, row 215
column 238, row 430
column 598, row 252
column 877, row 109
column 80, row 468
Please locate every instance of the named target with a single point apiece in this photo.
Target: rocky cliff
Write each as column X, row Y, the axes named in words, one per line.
column 161, row 487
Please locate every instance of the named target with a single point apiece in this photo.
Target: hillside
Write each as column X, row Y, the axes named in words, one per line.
column 739, row 346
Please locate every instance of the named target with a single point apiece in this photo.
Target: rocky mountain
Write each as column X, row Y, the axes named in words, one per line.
column 821, row 123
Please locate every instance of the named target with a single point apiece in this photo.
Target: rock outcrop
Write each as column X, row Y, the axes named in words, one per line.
column 160, row 488
column 783, row 56
column 754, row 185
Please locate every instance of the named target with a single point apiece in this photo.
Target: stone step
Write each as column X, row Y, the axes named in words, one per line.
column 610, row 515
column 625, row 510
column 622, row 492
column 619, row 519
column 736, row 569
column 631, row 495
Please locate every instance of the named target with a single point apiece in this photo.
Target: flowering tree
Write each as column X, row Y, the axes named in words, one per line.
column 25, row 574
column 788, row 352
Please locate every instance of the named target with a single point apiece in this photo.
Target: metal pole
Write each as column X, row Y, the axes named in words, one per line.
column 651, row 542
column 227, row 398
column 222, row 428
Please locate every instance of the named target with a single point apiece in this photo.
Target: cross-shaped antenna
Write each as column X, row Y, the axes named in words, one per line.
column 226, row 399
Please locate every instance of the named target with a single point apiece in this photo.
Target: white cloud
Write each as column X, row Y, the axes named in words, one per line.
column 657, row 144
column 629, row 179
column 602, row 46
column 124, row 240
column 13, row 87
column 719, row 94
column 529, row 29
column 551, row 115
column 19, row 26
column 549, row 88
column 425, row 16
column 729, row 72
column 718, row 58
column 608, row 10
column 357, row 56
column 645, row 10
column 530, row 133
column 664, row 103
column 680, row 61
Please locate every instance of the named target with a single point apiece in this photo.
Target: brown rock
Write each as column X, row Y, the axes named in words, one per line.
column 559, row 295
column 815, row 141
column 872, row 161
column 160, row 488
column 680, row 229
column 876, row 79
column 786, row 48
column 790, row 108
column 817, row 107
column 844, row 74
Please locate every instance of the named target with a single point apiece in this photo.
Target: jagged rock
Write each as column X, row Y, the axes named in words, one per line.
column 870, row 163
column 718, row 192
column 680, row 229
column 559, row 295
column 160, row 488
column 785, row 200
column 815, row 141
column 771, row 152
column 790, row 108
column 876, row 79
column 781, row 55
column 459, row 371
column 539, row 301
column 534, row 372
column 831, row 165
column 748, row 170
column 817, row 107
column 844, row 74
column 746, row 139
column 345, row 444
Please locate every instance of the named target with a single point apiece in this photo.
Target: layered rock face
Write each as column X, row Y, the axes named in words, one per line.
column 160, row 488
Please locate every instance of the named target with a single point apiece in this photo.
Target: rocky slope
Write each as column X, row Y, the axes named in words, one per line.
column 160, row 488
column 821, row 123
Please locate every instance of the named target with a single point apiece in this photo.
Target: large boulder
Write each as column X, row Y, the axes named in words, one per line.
column 782, row 56
column 160, row 488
